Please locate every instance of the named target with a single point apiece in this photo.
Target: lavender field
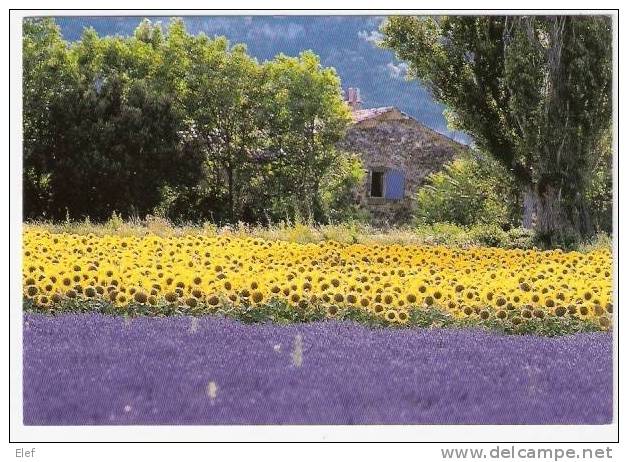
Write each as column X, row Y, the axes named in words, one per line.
column 104, row 370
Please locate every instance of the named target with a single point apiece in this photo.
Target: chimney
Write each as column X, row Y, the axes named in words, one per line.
column 353, row 98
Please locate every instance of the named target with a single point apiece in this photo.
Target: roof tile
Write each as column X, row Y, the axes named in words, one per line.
column 365, row 114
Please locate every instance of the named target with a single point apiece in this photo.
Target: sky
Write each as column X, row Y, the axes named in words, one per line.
column 347, row 43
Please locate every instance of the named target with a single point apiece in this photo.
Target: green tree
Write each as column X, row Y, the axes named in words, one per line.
column 49, row 79
column 306, row 117
column 112, row 141
column 223, row 106
column 533, row 91
column 599, row 194
column 184, row 125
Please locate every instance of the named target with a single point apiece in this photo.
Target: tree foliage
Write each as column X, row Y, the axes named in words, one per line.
column 340, row 185
column 102, row 132
column 164, row 121
column 599, row 194
column 533, row 91
column 306, row 118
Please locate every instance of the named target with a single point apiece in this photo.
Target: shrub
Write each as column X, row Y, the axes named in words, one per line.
column 346, row 232
column 599, row 241
column 115, row 222
column 301, row 233
column 196, row 204
column 443, row 234
column 338, row 189
column 521, row 238
column 489, row 235
column 469, row 190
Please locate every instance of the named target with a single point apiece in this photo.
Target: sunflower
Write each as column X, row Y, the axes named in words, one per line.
column 90, row 292
column 240, row 269
column 378, row 308
column 391, row 316
column 31, row 291
column 257, row 296
column 140, row 297
column 171, row 297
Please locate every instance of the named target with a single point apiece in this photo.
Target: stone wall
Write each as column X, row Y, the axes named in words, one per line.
column 393, row 140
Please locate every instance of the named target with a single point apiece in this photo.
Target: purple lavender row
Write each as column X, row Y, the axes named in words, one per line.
column 102, row 370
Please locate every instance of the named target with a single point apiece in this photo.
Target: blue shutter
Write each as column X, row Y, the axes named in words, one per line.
column 395, row 183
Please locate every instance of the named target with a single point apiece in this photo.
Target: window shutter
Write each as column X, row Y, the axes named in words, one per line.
column 395, row 183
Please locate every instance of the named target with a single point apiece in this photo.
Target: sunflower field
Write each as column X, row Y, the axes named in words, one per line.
column 392, row 284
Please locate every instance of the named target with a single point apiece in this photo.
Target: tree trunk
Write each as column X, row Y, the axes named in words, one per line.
column 550, row 218
column 529, row 207
column 560, row 220
column 230, row 194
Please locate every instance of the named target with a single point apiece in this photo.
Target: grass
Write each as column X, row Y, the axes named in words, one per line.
column 348, row 233
column 277, row 311
column 599, row 241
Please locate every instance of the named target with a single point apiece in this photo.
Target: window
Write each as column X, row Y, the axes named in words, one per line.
column 395, row 184
column 387, row 184
column 377, row 183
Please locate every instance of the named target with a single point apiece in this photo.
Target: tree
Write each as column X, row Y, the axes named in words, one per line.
column 49, row 79
column 534, row 92
column 599, row 194
column 168, row 122
column 223, row 103
column 306, row 117
column 103, row 129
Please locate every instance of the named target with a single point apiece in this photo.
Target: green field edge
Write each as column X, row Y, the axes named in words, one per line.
column 282, row 313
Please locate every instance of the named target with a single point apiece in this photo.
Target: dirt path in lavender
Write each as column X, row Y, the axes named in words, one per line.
column 101, row 370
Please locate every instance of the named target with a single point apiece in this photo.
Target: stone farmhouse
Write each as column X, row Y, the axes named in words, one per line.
column 398, row 153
